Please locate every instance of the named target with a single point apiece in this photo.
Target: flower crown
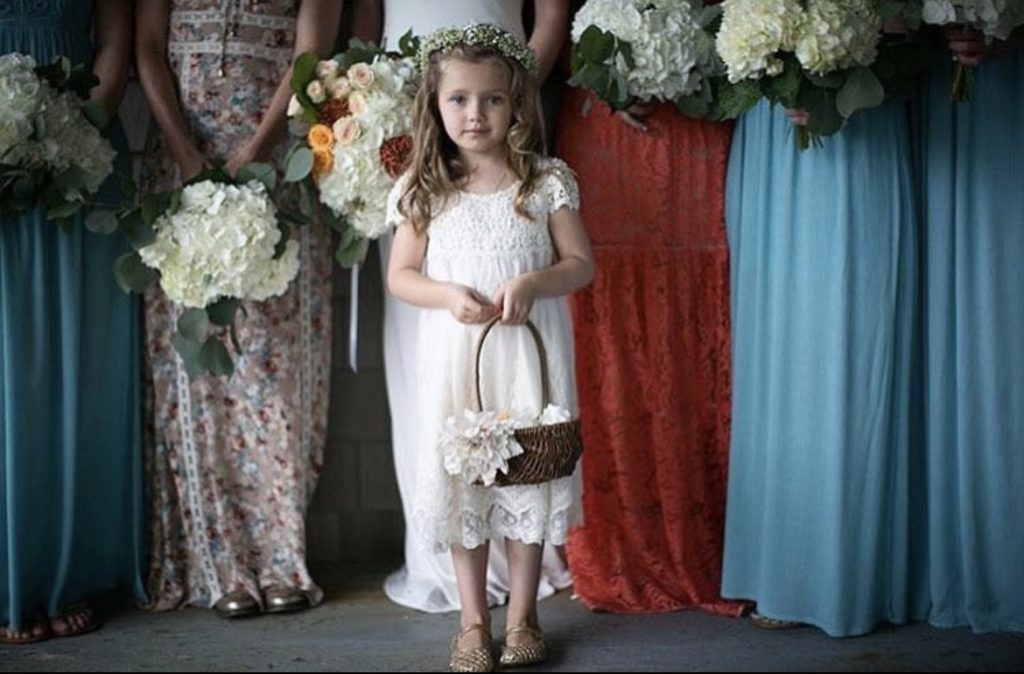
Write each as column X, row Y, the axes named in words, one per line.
column 479, row 34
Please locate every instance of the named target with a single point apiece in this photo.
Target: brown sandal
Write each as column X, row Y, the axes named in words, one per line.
column 527, row 652
column 476, row 659
column 32, row 630
column 74, row 620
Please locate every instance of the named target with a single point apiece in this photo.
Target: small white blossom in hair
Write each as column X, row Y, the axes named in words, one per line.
column 477, row 34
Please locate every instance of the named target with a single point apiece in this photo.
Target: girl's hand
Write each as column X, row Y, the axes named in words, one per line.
column 515, row 300
column 468, row 306
column 967, row 44
column 634, row 113
column 797, row 116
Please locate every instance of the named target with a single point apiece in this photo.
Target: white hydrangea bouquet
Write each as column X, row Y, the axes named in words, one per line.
column 52, row 153
column 212, row 244
column 478, row 445
column 827, row 57
column 995, row 19
column 629, row 50
column 353, row 116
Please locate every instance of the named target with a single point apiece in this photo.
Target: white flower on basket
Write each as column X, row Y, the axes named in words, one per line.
column 670, row 49
column 69, row 139
column 220, row 243
column 477, row 445
column 994, row 18
column 369, row 139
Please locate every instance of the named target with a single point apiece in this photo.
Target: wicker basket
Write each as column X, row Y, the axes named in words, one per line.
column 549, row 452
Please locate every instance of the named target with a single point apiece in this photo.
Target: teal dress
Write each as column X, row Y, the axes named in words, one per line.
column 972, row 177
column 819, row 517
column 70, row 451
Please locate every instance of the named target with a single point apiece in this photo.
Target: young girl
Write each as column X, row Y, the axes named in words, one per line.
column 505, row 241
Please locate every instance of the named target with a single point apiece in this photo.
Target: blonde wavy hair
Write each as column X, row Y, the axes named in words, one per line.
column 435, row 168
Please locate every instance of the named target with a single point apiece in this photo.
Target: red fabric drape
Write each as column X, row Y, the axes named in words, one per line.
column 653, row 359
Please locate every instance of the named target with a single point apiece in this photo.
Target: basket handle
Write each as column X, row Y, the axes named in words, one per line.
column 545, row 393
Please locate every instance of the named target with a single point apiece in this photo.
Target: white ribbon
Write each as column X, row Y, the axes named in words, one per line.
column 353, row 321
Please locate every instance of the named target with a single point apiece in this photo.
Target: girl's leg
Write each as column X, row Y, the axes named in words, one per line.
column 524, row 561
column 524, row 642
column 471, row 576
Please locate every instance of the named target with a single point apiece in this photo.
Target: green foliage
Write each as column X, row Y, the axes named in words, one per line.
column 592, row 60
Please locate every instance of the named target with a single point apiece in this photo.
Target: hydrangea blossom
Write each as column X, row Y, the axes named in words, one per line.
column 994, row 18
column 827, row 36
column 671, row 52
column 220, row 243
column 68, row 139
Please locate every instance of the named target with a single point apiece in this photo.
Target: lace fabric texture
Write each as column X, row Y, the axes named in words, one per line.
column 653, row 359
column 479, row 241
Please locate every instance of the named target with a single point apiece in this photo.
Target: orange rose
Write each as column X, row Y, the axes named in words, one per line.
column 320, row 137
column 323, row 161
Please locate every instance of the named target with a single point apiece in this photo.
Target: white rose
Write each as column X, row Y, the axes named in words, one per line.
column 315, row 91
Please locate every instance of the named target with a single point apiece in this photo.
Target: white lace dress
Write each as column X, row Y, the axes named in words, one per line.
column 481, row 242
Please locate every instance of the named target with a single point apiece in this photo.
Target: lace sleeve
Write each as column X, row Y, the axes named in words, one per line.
column 560, row 186
column 392, row 217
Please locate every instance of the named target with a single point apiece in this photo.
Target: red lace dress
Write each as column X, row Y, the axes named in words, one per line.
column 652, row 359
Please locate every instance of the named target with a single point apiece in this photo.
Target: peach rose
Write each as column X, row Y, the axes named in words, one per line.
column 360, row 75
column 323, row 162
column 347, row 131
column 320, row 137
column 357, row 103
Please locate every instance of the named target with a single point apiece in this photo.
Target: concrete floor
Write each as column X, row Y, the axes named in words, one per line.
column 358, row 629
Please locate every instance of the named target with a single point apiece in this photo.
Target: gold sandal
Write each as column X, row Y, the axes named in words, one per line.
column 476, row 659
column 529, row 652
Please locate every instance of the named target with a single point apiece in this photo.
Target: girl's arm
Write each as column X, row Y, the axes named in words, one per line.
column 550, row 26
column 315, row 30
column 112, row 28
column 409, row 284
column 574, row 270
column 151, row 27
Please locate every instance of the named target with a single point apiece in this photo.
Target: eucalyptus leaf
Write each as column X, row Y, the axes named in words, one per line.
column 823, row 119
column 63, row 210
column 353, row 253
column 282, row 243
column 223, row 311
column 693, row 106
column 260, row 172
column 596, row 45
column 132, row 274
column 214, row 357
column 862, row 90
column 24, row 188
column 101, row 221
column 193, row 323
column 300, row 164
column 189, row 350
column 135, row 229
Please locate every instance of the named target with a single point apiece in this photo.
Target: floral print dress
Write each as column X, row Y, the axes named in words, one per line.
column 232, row 462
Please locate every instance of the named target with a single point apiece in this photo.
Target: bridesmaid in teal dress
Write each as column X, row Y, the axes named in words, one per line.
column 973, row 188
column 823, row 261
column 70, row 499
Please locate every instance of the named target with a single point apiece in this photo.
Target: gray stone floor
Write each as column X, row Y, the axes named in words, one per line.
column 358, row 629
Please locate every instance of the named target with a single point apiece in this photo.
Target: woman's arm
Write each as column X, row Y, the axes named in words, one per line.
column 573, row 270
column 151, row 27
column 367, row 21
column 315, row 30
column 550, row 26
column 112, row 28
column 409, row 284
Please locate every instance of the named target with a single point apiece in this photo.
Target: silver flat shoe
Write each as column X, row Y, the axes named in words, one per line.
column 280, row 599
column 237, row 604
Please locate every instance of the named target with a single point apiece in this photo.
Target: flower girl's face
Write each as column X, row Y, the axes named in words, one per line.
column 475, row 104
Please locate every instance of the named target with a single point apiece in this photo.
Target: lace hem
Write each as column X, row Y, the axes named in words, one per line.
column 472, row 529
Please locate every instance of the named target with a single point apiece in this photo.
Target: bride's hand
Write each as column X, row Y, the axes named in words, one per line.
column 634, row 113
column 797, row 116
